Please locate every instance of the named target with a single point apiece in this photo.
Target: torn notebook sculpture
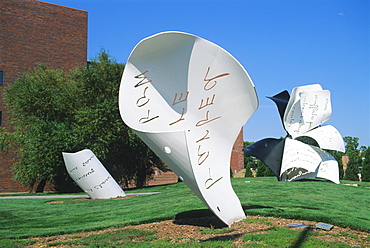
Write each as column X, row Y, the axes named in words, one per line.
column 91, row 176
column 300, row 155
column 187, row 99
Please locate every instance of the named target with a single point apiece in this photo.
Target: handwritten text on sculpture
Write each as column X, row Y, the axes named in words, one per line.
column 209, row 83
column 90, row 175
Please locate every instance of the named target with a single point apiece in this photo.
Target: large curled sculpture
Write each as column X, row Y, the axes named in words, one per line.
column 187, row 99
column 293, row 158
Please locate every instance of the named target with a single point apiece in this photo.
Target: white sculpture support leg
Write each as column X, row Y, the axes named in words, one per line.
column 91, row 176
column 187, row 99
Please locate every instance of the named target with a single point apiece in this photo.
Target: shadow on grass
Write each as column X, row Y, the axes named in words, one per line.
column 199, row 217
column 224, row 237
column 205, row 217
column 302, row 237
column 256, row 207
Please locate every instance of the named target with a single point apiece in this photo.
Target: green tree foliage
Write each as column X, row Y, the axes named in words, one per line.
column 42, row 104
column 255, row 164
column 54, row 112
column 359, row 161
column 248, row 171
column 248, row 160
column 251, row 162
column 355, row 160
column 365, row 156
column 101, row 129
column 263, row 170
column 338, row 157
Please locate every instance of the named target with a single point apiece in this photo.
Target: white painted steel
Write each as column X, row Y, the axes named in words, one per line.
column 187, row 99
column 91, row 176
column 309, row 106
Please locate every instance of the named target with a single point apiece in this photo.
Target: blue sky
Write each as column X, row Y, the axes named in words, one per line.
column 281, row 43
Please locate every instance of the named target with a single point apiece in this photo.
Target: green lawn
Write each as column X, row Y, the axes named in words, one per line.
column 340, row 205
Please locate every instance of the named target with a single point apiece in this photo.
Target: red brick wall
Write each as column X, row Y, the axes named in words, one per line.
column 34, row 32
column 237, row 155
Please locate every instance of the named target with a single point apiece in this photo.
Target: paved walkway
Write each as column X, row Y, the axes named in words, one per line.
column 65, row 196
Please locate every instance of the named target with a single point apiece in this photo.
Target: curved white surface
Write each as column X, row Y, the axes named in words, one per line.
column 308, row 107
column 302, row 161
column 91, row 176
column 299, row 156
column 187, row 99
column 328, row 137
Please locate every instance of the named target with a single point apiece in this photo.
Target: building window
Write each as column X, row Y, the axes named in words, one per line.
column 1, row 78
column 1, row 118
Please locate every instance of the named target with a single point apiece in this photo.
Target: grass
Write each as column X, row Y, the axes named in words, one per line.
column 262, row 220
column 275, row 237
column 285, row 237
column 339, row 205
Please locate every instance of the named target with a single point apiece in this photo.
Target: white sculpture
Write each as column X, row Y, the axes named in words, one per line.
column 302, row 114
column 187, row 99
column 308, row 107
column 91, row 176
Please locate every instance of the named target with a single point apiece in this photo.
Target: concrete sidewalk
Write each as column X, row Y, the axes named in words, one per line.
column 65, row 196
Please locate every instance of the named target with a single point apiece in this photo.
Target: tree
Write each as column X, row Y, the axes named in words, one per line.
column 365, row 156
column 55, row 112
column 263, row 170
column 338, row 157
column 248, row 171
column 42, row 104
column 256, row 164
column 101, row 128
column 248, row 160
column 355, row 160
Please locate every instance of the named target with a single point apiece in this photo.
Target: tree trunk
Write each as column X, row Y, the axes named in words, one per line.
column 41, row 186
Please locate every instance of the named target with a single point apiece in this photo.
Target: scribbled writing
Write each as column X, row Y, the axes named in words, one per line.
column 205, row 110
column 144, row 100
column 87, row 161
column 85, row 175
column 206, row 105
column 298, row 171
column 99, row 186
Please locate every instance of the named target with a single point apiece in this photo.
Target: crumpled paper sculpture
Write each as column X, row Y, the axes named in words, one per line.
column 302, row 114
column 91, row 176
column 187, row 99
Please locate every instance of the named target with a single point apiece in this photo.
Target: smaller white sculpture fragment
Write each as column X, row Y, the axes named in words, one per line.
column 91, row 176
column 302, row 113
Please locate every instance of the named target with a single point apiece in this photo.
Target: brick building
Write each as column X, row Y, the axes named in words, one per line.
column 32, row 32
column 237, row 154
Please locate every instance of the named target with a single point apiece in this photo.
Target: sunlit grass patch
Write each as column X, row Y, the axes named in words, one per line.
column 259, row 220
column 286, row 237
column 339, row 205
